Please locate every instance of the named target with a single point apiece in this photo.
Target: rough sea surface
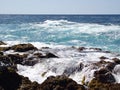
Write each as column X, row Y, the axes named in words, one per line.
column 101, row 31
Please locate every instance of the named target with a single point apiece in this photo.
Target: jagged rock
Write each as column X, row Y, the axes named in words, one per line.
column 98, row 49
column 5, row 48
column 72, row 70
column 16, row 58
column 6, row 60
column 26, row 84
column 104, row 76
column 103, row 57
column 23, row 47
column 116, row 60
column 12, row 59
column 110, row 66
column 30, row 62
column 2, row 43
column 39, row 55
column 60, row 83
column 10, row 80
column 81, row 48
column 50, row 55
column 100, row 63
column 96, row 85
column 1, row 53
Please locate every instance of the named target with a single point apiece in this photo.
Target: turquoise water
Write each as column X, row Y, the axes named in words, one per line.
column 89, row 31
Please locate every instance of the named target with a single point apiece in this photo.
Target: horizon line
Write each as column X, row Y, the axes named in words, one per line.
column 54, row 14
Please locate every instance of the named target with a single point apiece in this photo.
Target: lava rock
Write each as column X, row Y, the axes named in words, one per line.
column 104, row 76
column 23, row 47
column 29, row 62
column 72, row 70
column 97, row 49
column 96, row 85
column 110, row 66
column 5, row 48
column 50, row 55
column 81, row 48
column 116, row 60
column 60, row 83
column 2, row 43
column 103, row 57
column 1, row 53
column 6, row 60
column 16, row 58
column 10, row 80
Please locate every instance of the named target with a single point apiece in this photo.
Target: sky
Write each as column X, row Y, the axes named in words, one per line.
column 59, row 6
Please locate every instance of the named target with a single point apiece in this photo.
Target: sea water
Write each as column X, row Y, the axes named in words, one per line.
column 101, row 31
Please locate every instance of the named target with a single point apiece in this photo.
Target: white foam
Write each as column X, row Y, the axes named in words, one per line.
column 74, row 27
column 68, row 58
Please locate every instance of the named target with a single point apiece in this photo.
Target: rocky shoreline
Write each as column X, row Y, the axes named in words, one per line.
column 29, row 55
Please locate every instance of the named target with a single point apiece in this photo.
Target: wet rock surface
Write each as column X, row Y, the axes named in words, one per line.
column 23, row 47
column 60, row 83
column 104, row 76
column 2, row 43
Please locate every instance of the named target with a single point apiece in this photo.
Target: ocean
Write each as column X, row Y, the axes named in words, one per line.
column 101, row 31
column 62, row 35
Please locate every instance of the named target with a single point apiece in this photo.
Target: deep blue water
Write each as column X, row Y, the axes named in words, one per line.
column 79, row 30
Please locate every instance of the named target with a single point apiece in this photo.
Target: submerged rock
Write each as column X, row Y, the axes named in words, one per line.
column 81, row 48
column 47, row 55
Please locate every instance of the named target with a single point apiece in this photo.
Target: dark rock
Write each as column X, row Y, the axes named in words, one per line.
column 81, row 48
column 101, row 71
column 96, row 85
column 39, row 55
column 50, row 55
column 45, row 48
column 102, row 57
column 100, row 63
column 12, row 59
column 1, row 53
column 104, row 76
column 10, row 80
column 2, row 43
column 6, row 60
column 5, row 48
column 72, row 70
column 98, row 49
column 110, row 66
column 60, row 83
column 29, row 62
column 116, row 60
column 16, row 58
column 23, row 47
